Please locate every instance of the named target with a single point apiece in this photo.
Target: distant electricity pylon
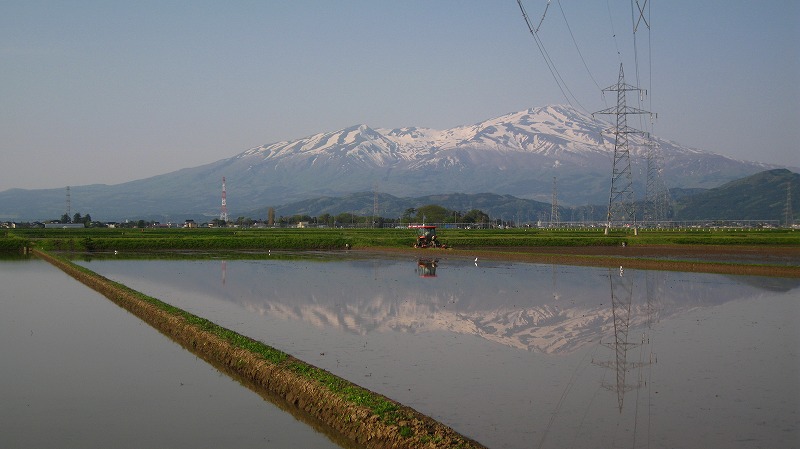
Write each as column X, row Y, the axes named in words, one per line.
column 554, row 218
column 375, row 208
column 223, row 214
column 788, row 211
column 69, row 206
column 621, row 207
column 655, row 206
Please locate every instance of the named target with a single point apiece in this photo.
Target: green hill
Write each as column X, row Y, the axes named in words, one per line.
column 758, row 197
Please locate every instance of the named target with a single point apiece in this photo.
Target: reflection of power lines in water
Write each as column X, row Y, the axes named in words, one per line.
column 224, row 271
column 654, row 283
column 622, row 289
column 630, row 371
column 621, row 297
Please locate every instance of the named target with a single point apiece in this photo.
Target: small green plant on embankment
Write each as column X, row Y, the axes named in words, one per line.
column 383, row 408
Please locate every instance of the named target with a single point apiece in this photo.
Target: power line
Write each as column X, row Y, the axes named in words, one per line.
column 613, row 32
column 576, row 45
column 562, row 85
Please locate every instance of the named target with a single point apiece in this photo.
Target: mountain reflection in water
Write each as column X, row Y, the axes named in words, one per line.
column 542, row 308
column 520, row 355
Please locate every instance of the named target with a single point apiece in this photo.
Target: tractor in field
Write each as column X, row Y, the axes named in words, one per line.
column 426, row 237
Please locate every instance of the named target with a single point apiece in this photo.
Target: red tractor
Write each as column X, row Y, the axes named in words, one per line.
column 426, row 237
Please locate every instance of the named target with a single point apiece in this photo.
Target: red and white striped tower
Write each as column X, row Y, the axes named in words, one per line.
column 223, row 215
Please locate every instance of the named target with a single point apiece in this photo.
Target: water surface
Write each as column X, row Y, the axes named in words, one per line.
column 522, row 355
column 79, row 372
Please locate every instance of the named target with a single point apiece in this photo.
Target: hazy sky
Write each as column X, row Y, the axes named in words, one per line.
column 111, row 91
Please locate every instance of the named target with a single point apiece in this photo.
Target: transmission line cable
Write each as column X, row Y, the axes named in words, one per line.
column 613, row 32
column 576, row 46
column 562, row 85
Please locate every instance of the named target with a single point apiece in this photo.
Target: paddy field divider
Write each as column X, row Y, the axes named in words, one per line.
column 353, row 414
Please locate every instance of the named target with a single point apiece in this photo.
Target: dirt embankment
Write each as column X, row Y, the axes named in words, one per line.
column 351, row 423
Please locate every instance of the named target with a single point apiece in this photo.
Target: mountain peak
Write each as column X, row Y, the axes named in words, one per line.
column 518, row 153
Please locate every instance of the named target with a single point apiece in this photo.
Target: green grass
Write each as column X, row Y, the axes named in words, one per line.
column 10, row 243
column 380, row 406
column 140, row 240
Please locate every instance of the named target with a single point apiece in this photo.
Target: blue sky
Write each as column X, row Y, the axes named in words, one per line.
column 112, row 91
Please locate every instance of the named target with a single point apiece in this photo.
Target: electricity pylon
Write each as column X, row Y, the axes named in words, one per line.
column 655, row 207
column 787, row 212
column 554, row 218
column 621, row 208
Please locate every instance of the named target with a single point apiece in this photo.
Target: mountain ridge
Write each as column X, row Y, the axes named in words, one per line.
column 518, row 154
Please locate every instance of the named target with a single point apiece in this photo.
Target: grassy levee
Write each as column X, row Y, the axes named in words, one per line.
column 93, row 239
column 358, row 415
column 213, row 239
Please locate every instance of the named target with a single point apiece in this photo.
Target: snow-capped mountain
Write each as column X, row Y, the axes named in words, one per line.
column 549, row 131
column 517, row 154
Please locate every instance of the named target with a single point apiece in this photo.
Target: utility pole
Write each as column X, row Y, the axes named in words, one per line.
column 621, row 207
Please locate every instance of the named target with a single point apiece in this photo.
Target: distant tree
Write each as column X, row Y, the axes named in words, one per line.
column 475, row 216
column 409, row 213
column 325, row 219
column 141, row 224
column 77, row 218
column 64, row 218
column 87, row 219
column 432, row 213
column 345, row 218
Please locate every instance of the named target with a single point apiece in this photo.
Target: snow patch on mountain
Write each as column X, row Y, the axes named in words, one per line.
column 547, row 131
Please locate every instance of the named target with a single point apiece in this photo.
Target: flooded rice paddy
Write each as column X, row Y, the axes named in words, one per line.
column 79, row 372
column 512, row 355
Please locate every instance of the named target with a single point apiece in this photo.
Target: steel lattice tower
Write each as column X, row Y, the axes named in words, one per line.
column 223, row 214
column 621, row 208
column 655, row 191
column 554, row 218
column 69, row 207
column 788, row 211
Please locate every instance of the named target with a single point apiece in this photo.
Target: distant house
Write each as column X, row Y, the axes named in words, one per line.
column 189, row 224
